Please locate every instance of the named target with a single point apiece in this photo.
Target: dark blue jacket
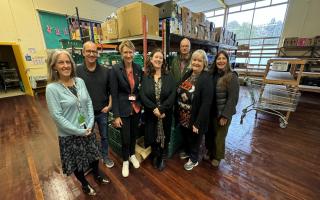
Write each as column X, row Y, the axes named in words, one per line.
column 120, row 89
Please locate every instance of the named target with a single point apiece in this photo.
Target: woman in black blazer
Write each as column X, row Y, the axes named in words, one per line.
column 157, row 95
column 194, row 101
column 125, row 81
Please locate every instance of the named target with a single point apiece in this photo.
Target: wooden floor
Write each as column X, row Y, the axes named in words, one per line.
column 263, row 161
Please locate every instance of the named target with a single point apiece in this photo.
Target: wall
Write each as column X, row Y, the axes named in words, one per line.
column 302, row 19
column 20, row 23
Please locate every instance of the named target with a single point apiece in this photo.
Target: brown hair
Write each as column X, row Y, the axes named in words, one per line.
column 226, row 78
column 149, row 67
column 53, row 75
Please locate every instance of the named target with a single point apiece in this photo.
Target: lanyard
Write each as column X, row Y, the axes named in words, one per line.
column 77, row 97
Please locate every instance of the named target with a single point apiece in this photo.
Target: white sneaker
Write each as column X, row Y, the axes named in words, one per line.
column 134, row 161
column 125, row 169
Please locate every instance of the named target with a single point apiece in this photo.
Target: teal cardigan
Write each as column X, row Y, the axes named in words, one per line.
column 63, row 107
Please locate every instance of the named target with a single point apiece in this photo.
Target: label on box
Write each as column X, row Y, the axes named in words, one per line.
column 280, row 66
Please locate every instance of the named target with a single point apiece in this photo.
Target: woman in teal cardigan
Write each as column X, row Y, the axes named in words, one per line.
column 71, row 109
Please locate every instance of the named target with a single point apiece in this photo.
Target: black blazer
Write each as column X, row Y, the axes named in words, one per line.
column 148, row 99
column 120, row 89
column 201, row 103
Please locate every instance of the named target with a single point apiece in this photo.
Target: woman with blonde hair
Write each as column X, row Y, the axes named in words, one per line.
column 194, row 101
column 71, row 109
column 125, row 84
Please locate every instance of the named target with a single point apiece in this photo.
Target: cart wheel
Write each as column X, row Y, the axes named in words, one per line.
column 283, row 125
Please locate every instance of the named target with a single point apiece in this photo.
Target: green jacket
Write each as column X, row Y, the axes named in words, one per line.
column 175, row 68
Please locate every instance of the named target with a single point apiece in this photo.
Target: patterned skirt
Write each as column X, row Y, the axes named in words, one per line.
column 77, row 152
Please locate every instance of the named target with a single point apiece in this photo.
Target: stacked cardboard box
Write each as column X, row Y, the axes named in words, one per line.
column 170, row 10
column 186, row 21
column 225, row 37
column 130, row 19
column 110, row 29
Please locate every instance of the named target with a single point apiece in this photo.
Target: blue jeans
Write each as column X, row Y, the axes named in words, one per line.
column 102, row 121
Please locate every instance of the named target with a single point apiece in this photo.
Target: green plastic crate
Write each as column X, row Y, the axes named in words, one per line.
column 109, row 58
column 138, row 59
column 114, row 134
column 116, row 148
column 175, row 140
column 66, row 43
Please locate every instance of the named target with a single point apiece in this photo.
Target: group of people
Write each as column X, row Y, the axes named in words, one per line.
column 201, row 102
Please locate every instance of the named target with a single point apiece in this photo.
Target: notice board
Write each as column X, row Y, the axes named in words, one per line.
column 54, row 28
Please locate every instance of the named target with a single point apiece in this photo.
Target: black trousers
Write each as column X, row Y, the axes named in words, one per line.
column 80, row 174
column 192, row 142
column 128, row 132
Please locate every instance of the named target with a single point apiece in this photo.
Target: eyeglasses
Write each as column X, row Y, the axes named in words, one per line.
column 93, row 52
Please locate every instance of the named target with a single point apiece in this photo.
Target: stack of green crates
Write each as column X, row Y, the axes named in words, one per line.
column 108, row 58
column 138, row 59
column 114, row 138
column 66, row 43
column 175, row 140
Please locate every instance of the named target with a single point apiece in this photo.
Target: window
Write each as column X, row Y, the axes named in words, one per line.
column 268, row 25
column 279, row 1
column 263, row 3
column 234, row 9
column 240, row 23
column 247, row 6
column 218, row 21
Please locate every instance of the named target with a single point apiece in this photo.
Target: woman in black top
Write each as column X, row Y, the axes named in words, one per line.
column 194, row 102
column 125, row 81
column 226, row 94
column 157, row 95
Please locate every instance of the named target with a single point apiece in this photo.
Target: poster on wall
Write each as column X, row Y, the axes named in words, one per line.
column 54, row 28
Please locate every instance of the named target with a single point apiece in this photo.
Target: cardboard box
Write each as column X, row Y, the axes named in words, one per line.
column 186, row 15
column 186, row 29
column 175, row 26
column 316, row 41
column 130, row 19
column 168, row 9
column 110, row 29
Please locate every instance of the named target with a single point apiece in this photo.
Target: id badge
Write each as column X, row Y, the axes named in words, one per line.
column 81, row 120
column 132, row 97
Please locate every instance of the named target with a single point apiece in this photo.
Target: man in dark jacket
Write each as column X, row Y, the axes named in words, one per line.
column 180, row 63
column 96, row 78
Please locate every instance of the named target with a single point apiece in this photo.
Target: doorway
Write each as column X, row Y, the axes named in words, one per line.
column 13, row 80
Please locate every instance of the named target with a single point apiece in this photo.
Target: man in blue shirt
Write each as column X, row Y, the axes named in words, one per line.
column 96, row 78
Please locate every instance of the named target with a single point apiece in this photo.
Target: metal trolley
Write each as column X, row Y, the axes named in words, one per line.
column 272, row 99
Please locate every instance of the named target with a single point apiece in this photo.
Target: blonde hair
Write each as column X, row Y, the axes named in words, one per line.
column 126, row 43
column 204, row 57
column 53, row 75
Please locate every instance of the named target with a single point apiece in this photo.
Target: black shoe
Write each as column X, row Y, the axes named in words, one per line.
column 89, row 190
column 161, row 164
column 102, row 180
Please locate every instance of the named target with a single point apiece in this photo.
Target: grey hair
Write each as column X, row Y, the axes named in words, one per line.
column 53, row 75
column 204, row 57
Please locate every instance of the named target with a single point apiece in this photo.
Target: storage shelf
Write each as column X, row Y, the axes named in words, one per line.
column 138, row 37
column 308, row 88
column 310, row 74
column 177, row 38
